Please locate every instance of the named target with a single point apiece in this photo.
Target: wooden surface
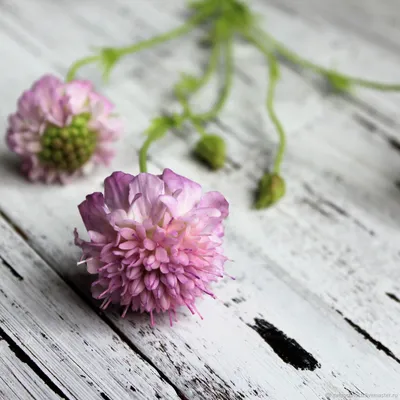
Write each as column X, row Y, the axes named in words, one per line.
column 315, row 310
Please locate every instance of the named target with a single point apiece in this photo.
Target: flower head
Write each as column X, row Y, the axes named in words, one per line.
column 61, row 129
column 155, row 241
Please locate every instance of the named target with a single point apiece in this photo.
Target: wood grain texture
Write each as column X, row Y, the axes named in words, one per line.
column 332, row 244
column 65, row 339
column 18, row 380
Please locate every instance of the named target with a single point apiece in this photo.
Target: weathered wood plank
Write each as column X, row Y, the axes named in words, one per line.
column 283, row 224
column 374, row 20
column 67, row 341
column 18, row 380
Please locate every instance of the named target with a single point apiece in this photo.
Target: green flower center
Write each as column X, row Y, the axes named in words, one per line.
column 70, row 147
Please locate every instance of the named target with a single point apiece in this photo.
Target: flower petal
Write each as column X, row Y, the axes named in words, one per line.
column 150, row 187
column 116, row 190
column 215, row 200
column 94, row 215
column 190, row 192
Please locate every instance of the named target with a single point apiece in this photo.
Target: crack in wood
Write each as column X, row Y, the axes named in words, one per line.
column 368, row 337
column 16, row 228
column 365, row 122
column 394, row 143
column 393, row 297
column 288, row 349
column 23, row 357
column 145, row 358
column 316, row 207
column 11, row 269
column 321, row 201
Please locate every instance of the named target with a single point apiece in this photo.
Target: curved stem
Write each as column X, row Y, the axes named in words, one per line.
column 229, row 69
column 143, row 154
column 78, row 64
column 145, row 44
column 173, row 34
column 212, row 65
column 273, row 80
column 296, row 59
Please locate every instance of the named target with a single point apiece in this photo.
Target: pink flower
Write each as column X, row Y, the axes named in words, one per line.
column 62, row 129
column 155, row 241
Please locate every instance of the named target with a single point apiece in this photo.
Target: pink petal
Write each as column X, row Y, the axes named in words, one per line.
column 151, row 187
column 190, row 191
column 215, row 200
column 116, row 190
column 162, row 255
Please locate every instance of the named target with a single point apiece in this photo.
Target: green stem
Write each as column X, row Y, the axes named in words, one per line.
column 143, row 154
column 212, row 66
column 173, row 34
column 296, row 59
column 78, row 64
column 274, row 75
column 145, row 44
column 199, row 127
column 273, row 80
column 184, row 100
column 229, row 69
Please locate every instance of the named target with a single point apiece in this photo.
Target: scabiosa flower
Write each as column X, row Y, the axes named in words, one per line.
column 62, row 129
column 155, row 241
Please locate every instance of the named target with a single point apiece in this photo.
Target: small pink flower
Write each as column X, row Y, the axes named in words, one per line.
column 155, row 241
column 62, row 129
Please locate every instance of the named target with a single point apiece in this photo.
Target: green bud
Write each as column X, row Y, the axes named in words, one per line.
column 271, row 189
column 211, row 149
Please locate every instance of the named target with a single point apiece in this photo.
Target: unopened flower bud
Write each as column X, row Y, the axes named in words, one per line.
column 212, row 150
column 271, row 189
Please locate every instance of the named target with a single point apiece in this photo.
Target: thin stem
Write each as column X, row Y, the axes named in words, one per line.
column 212, row 66
column 143, row 154
column 273, row 80
column 296, row 59
column 200, row 129
column 173, row 34
column 229, row 69
column 79, row 64
column 184, row 100
column 145, row 44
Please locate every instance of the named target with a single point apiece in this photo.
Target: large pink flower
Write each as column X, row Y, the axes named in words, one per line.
column 155, row 241
column 62, row 129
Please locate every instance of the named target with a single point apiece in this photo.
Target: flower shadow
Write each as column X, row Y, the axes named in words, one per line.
column 11, row 168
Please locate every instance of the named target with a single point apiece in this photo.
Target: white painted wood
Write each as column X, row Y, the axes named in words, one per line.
column 375, row 20
column 292, row 262
column 18, row 381
column 62, row 335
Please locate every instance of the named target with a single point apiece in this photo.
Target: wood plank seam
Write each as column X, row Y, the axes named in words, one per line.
column 23, row 357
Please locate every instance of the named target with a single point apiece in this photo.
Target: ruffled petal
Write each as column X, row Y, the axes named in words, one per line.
column 215, row 200
column 150, row 187
column 190, row 192
column 116, row 190
column 94, row 214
